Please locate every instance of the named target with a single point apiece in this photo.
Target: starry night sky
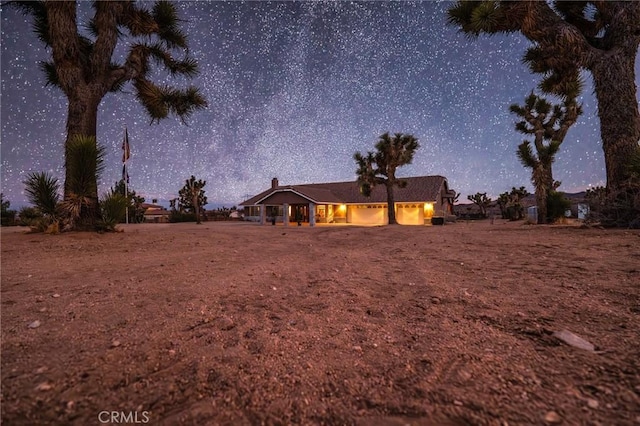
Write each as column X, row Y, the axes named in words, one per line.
column 294, row 89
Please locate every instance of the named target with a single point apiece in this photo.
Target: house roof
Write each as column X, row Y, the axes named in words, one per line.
column 151, row 206
column 419, row 188
column 154, row 210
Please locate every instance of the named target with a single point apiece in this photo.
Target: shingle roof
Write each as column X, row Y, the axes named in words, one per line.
column 419, row 188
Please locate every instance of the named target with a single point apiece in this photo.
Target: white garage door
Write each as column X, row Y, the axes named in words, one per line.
column 369, row 215
column 409, row 214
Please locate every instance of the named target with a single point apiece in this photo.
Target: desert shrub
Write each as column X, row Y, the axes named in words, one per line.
column 8, row 217
column 34, row 219
column 113, row 207
column 51, row 228
column 134, row 201
column 219, row 214
column 619, row 209
column 178, row 216
column 28, row 215
column 38, row 224
column 557, row 204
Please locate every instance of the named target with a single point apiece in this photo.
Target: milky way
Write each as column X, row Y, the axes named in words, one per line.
column 294, row 89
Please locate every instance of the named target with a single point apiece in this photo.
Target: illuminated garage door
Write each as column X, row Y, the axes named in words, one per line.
column 369, row 215
column 409, row 214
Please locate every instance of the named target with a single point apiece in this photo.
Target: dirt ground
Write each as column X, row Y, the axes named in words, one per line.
column 241, row 324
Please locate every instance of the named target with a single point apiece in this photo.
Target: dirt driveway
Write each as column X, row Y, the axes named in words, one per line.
column 236, row 323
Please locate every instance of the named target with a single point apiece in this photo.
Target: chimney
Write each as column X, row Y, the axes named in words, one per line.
column 274, row 183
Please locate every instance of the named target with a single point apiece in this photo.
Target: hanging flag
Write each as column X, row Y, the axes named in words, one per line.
column 125, row 175
column 125, row 147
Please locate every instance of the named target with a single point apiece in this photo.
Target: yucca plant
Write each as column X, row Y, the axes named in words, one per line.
column 42, row 191
column 113, row 207
column 85, row 163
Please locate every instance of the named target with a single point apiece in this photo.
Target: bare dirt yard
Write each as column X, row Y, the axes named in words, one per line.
column 241, row 324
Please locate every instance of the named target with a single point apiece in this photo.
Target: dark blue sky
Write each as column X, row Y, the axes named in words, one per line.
column 294, row 89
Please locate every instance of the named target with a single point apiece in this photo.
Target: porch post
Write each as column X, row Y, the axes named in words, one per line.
column 263, row 214
column 312, row 214
column 285, row 214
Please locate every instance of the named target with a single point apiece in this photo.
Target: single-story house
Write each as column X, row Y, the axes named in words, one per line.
column 154, row 213
column 421, row 199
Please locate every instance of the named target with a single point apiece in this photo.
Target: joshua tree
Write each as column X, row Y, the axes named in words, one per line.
column 510, row 203
column 515, row 209
column 84, row 67
column 481, row 200
column 379, row 168
column 192, row 196
column 503, row 202
column 568, row 36
column 549, row 125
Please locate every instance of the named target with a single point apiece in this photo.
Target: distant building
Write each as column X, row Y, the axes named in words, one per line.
column 154, row 213
column 421, row 199
column 583, row 210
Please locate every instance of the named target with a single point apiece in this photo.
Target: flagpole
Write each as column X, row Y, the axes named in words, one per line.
column 126, row 193
column 125, row 173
